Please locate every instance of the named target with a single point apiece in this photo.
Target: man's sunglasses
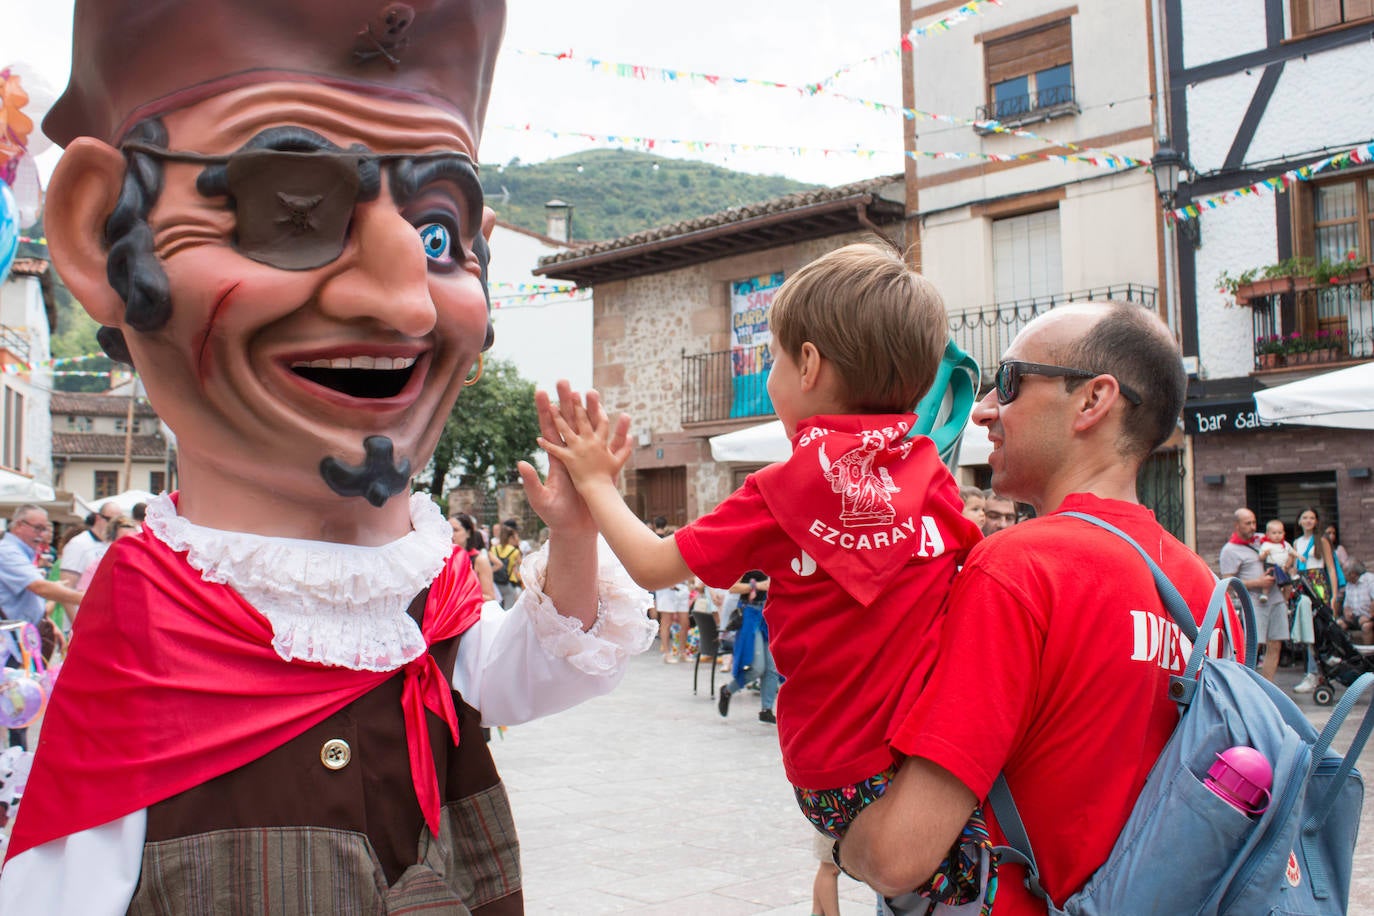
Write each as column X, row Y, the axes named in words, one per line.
column 1011, row 371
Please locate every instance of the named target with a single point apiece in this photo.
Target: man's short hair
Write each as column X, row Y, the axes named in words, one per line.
column 1132, row 344
column 880, row 323
column 990, row 493
column 20, row 511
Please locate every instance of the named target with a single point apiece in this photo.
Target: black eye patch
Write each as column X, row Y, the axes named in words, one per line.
column 293, row 209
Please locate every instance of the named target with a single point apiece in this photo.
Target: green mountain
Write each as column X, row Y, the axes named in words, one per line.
column 619, row 192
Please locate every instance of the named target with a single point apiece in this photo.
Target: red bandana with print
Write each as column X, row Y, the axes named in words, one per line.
column 856, row 496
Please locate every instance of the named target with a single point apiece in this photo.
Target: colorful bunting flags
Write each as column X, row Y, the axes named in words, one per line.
column 509, row 295
column 649, row 144
column 666, row 75
column 1359, row 155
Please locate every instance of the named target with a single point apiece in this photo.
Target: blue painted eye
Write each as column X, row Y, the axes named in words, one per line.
column 437, row 241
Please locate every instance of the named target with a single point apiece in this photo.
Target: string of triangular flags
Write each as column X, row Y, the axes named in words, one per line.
column 506, row 295
column 53, row 366
column 943, row 24
column 1358, row 155
column 648, row 144
column 669, row 75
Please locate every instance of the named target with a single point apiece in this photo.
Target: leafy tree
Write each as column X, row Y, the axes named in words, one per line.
column 492, row 427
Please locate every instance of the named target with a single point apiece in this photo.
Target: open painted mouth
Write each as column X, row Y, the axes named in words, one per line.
column 372, row 377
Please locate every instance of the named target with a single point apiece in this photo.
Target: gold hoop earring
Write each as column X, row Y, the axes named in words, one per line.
column 481, row 365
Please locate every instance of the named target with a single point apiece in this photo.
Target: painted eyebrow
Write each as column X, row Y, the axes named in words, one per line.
column 290, row 138
column 409, row 176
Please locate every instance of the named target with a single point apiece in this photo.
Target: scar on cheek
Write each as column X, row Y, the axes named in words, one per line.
column 202, row 369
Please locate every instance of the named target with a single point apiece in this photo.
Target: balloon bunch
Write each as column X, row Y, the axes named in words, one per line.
column 21, row 194
column 24, row 690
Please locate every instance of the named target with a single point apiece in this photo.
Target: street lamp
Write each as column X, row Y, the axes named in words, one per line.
column 1168, row 164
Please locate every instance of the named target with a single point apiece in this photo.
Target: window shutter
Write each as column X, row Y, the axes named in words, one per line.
column 1048, row 46
column 1325, row 13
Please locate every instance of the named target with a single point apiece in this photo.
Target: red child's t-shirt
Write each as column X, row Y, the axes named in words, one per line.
column 846, row 662
column 1054, row 666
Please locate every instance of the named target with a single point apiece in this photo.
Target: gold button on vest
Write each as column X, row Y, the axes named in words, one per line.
column 336, row 753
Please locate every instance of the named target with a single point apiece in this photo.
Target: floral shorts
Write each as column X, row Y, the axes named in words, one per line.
column 958, row 879
column 831, row 811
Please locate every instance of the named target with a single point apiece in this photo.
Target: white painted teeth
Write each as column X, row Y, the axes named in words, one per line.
column 357, row 362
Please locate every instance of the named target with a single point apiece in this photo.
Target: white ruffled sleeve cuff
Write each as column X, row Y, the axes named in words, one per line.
column 622, row 626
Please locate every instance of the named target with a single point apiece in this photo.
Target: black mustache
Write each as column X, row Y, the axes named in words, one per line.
column 377, row 479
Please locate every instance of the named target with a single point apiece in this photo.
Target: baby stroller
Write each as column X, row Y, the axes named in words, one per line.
column 1339, row 661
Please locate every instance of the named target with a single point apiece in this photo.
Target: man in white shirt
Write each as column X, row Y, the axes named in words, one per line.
column 88, row 546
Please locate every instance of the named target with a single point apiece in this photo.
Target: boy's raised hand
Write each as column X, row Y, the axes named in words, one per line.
column 586, row 442
column 556, row 499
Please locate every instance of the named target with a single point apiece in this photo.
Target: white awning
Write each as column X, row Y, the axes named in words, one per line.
column 16, row 488
column 1343, row 399
column 767, row 443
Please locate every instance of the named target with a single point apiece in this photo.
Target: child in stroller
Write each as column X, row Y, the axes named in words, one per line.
column 1338, row 659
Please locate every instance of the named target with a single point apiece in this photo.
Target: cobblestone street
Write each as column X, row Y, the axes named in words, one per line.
column 647, row 801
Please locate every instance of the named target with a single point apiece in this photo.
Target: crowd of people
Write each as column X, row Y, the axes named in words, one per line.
column 42, row 581
column 1289, row 582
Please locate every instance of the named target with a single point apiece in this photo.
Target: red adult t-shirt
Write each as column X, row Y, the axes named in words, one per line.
column 846, row 659
column 1054, row 666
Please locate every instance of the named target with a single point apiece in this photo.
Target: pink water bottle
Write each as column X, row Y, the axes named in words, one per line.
column 1241, row 777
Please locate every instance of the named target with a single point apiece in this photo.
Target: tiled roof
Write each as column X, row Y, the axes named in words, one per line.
column 797, row 201
column 88, row 404
column 100, row 445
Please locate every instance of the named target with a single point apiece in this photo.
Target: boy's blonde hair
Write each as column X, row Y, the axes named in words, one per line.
column 880, row 323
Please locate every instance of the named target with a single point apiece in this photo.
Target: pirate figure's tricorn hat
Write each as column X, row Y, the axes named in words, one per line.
column 136, row 59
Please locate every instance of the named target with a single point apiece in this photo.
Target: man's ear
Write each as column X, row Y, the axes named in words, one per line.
column 488, row 222
column 81, row 196
column 1095, row 400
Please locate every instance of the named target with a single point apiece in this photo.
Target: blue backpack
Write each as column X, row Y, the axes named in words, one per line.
column 1294, row 857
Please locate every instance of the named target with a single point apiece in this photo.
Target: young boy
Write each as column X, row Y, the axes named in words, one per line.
column 860, row 531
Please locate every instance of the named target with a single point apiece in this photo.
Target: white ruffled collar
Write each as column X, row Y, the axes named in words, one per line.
column 336, row 604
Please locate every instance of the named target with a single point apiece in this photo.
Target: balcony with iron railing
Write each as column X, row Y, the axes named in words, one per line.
column 1042, row 105
column 985, row 333
column 1299, row 322
column 729, row 385
column 16, row 341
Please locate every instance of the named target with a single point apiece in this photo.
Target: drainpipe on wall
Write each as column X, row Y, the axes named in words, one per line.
column 1162, row 131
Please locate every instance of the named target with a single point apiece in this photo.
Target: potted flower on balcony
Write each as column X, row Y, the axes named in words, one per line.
column 1296, row 349
column 1338, row 344
column 1271, row 351
column 1295, row 273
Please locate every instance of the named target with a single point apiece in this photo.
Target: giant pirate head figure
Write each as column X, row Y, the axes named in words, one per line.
column 272, row 209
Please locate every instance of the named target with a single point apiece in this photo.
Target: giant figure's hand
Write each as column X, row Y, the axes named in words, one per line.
column 556, row 499
column 591, row 447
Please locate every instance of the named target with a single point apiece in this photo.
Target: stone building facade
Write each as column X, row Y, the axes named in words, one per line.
column 662, row 303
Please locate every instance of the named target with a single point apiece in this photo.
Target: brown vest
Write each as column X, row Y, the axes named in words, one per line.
column 329, row 823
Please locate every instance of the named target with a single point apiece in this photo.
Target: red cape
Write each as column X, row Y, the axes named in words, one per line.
column 172, row 681
column 872, row 487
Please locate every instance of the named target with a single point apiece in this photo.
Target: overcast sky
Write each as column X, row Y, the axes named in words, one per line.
column 796, row 41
